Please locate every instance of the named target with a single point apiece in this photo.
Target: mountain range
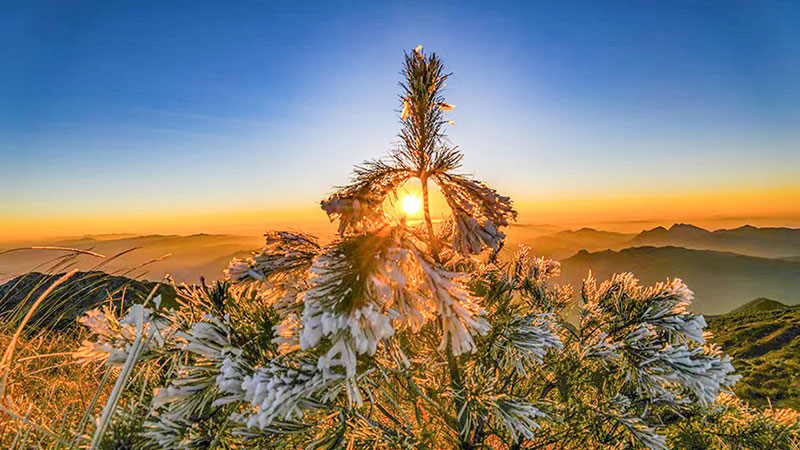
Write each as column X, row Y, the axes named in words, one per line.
column 747, row 240
column 564, row 244
column 150, row 257
column 725, row 268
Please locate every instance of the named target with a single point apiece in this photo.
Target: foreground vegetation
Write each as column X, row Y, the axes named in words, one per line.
column 50, row 392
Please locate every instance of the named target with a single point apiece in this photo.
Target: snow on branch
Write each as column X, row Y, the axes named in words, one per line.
column 478, row 211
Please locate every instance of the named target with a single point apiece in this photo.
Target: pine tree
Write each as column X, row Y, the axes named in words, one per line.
column 400, row 336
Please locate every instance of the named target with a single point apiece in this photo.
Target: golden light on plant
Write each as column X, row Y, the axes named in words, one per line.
column 411, row 204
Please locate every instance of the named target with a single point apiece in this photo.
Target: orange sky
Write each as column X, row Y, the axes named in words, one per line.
column 777, row 206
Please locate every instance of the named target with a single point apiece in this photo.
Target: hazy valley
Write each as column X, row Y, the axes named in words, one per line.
column 725, row 268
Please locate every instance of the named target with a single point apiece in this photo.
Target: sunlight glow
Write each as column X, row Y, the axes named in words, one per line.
column 411, row 204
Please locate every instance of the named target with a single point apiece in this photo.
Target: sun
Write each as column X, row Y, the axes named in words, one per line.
column 411, row 204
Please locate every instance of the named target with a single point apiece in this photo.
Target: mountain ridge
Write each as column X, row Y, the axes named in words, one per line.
column 769, row 242
column 766, row 242
column 80, row 293
column 759, row 304
column 722, row 281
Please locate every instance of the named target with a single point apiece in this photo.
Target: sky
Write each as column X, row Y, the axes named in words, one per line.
column 171, row 117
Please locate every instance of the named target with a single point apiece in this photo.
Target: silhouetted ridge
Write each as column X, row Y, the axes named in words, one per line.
column 80, row 293
column 746, row 240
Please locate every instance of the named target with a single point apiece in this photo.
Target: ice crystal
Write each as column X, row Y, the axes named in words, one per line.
column 278, row 392
column 111, row 338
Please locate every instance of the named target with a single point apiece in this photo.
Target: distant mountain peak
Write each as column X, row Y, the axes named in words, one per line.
column 584, row 230
column 686, row 227
column 658, row 231
column 760, row 304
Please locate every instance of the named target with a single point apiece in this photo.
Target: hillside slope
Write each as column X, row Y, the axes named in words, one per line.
column 765, row 347
column 759, row 304
column 721, row 281
column 68, row 301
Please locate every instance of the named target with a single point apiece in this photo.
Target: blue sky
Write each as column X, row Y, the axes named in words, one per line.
column 182, row 108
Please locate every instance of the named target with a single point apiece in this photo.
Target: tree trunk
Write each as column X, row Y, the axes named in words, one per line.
column 433, row 246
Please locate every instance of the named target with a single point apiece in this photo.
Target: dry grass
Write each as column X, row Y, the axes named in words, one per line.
column 47, row 399
column 52, row 392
